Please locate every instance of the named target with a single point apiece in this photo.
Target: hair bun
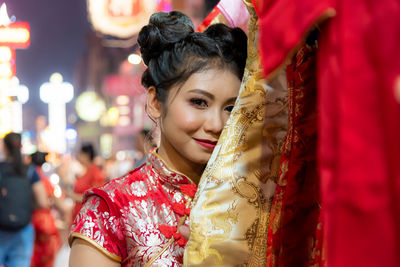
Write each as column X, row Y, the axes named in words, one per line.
column 164, row 30
column 232, row 42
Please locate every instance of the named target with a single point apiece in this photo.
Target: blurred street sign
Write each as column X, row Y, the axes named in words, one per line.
column 123, row 85
column 15, row 35
column 123, row 18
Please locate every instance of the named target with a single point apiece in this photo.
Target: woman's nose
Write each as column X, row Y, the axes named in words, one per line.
column 214, row 123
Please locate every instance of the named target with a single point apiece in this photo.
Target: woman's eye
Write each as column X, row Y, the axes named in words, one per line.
column 229, row 108
column 199, row 102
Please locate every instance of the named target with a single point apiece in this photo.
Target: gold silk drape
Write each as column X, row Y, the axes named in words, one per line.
column 230, row 213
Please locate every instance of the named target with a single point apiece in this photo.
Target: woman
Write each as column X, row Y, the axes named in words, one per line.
column 93, row 177
column 192, row 82
column 17, row 251
column 47, row 237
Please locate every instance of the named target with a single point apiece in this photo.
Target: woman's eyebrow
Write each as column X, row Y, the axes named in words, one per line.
column 205, row 93
column 232, row 99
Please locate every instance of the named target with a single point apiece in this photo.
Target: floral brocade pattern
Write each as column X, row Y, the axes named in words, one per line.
column 230, row 211
column 124, row 218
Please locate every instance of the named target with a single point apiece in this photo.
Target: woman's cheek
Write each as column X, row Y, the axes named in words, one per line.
column 188, row 118
column 226, row 117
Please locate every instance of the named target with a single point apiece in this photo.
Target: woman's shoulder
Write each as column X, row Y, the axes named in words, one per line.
column 138, row 174
column 125, row 188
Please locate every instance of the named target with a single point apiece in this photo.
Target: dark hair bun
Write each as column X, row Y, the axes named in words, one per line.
column 162, row 32
column 39, row 158
column 89, row 150
column 232, row 42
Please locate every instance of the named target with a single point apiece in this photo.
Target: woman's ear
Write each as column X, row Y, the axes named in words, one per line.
column 154, row 107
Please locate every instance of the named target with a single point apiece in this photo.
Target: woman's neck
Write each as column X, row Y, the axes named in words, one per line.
column 175, row 161
column 87, row 165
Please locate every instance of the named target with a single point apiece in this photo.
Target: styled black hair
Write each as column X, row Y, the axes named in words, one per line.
column 89, row 150
column 12, row 142
column 144, row 132
column 173, row 51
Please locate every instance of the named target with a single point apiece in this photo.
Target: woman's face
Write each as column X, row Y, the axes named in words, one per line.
column 83, row 158
column 195, row 114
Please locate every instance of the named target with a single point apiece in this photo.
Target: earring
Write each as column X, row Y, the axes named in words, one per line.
column 151, row 118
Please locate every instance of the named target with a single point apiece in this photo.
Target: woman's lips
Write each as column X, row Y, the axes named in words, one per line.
column 206, row 143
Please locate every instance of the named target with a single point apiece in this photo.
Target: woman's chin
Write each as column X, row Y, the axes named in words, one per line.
column 203, row 162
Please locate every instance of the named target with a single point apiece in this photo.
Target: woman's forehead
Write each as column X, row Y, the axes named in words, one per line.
column 210, row 79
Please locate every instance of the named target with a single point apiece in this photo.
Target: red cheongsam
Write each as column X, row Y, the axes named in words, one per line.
column 47, row 238
column 134, row 219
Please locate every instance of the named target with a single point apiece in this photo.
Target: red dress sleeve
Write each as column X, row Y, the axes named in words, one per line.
column 98, row 223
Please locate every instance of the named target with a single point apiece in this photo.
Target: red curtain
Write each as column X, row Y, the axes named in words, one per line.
column 358, row 87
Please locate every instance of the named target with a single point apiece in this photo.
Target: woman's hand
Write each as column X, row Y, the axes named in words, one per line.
column 74, row 196
column 184, row 231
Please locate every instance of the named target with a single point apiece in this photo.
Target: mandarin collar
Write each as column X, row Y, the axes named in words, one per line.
column 166, row 174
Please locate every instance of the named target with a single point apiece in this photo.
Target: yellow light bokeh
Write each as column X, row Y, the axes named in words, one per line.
column 5, row 69
column 134, row 59
column 5, row 54
column 14, row 35
column 56, row 78
column 122, row 100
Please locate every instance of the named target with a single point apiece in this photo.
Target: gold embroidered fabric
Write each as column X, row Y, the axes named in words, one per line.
column 220, row 19
column 229, row 217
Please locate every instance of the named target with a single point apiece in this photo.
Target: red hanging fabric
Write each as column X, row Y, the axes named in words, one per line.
column 295, row 229
column 359, row 118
